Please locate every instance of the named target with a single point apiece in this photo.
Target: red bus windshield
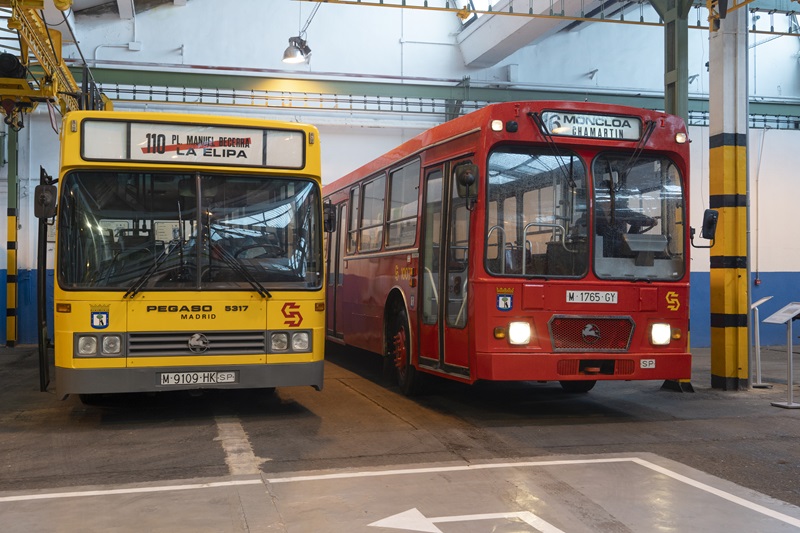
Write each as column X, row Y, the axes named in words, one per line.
column 538, row 215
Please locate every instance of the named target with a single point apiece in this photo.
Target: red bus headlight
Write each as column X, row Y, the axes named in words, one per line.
column 519, row 333
column 660, row 334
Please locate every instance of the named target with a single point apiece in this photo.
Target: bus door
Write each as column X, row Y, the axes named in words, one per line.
column 443, row 335
column 336, row 245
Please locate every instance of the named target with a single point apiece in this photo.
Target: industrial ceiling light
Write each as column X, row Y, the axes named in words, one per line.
column 298, row 50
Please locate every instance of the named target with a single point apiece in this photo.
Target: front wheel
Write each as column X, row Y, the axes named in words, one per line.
column 578, row 386
column 398, row 352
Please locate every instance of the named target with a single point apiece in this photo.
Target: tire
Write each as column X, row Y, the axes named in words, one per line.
column 578, row 386
column 398, row 352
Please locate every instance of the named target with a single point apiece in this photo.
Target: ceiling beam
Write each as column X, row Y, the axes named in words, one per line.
column 126, row 9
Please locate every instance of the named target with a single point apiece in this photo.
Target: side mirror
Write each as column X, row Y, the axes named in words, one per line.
column 328, row 217
column 709, row 229
column 44, row 205
column 467, row 180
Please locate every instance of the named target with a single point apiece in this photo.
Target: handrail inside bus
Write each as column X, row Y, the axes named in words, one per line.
column 433, row 286
column 501, row 246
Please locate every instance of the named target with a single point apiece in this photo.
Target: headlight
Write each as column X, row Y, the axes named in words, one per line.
column 87, row 345
column 279, row 342
column 300, row 342
column 519, row 333
column 660, row 334
column 112, row 345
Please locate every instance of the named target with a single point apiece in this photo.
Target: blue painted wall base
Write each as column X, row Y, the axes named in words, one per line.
column 784, row 287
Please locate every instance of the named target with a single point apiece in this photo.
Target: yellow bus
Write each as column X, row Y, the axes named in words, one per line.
column 188, row 253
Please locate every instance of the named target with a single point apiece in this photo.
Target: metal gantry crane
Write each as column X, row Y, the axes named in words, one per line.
column 39, row 73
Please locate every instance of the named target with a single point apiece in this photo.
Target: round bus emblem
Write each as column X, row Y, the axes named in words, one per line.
column 198, row 343
column 590, row 334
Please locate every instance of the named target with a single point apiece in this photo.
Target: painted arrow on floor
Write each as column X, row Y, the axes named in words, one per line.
column 413, row 520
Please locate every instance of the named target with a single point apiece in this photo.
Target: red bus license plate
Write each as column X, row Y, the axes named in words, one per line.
column 591, row 297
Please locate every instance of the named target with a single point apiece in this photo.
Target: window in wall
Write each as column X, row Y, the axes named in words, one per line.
column 372, row 214
column 401, row 228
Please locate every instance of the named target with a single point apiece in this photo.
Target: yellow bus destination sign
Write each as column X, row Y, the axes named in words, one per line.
column 593, row 126
column 172, row 143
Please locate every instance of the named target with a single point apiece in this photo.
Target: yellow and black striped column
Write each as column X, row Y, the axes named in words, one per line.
column 729, row 195
column 11, row 248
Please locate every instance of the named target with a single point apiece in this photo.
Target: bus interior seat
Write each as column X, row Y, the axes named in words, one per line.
column 134, row 238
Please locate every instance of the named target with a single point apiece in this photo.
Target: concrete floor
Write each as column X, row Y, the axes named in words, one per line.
column 359, row 456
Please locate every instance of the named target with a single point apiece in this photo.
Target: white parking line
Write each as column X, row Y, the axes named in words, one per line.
column 136, row 490
column 410, row 471
column 239, row 454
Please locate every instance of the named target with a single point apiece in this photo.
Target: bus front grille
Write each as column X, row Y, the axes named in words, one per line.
column 569, row 333
column 187, row 343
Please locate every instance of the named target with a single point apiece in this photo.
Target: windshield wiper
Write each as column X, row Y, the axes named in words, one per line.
column 139, row 283
column 649, row 128
column 237, row 267
column 551, row 143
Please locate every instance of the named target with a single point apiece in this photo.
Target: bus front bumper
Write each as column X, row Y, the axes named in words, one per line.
column 583, row 366
column 156, row 379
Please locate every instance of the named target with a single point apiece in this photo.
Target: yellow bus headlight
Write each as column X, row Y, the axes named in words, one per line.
column 112, row 345
column 87, row 345
column 300, row 341
column 279, row 342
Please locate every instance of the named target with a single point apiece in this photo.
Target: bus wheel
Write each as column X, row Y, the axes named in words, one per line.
column 578, row 386
column 399, row 351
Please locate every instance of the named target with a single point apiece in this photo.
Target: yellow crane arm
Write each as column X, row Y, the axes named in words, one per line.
column 18, row 94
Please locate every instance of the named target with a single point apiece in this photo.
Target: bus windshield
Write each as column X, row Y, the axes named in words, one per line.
column 188, row 231
column 536, row 213
column 639, row 217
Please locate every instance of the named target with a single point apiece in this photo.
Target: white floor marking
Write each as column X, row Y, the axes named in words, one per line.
column 239, row 454
column 720, row 493
column 413, row 520
column 351, row 475
column 137, row 490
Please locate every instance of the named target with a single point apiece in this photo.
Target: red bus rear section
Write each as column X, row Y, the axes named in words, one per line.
column 542, row 241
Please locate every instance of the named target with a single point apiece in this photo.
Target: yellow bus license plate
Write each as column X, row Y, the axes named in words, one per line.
column 196, row 378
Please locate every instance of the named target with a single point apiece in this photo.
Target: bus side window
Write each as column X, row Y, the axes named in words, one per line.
column 401, row 227
column 372, row 215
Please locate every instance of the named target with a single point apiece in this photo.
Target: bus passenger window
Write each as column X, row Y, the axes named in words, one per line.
column 372, row 215
column 401, row 228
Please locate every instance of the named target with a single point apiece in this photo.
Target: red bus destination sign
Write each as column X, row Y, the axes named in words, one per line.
column 593, row 126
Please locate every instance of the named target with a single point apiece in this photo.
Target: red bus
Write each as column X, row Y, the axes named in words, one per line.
column 541, row 241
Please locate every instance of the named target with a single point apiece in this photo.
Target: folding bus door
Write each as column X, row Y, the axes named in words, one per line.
column 443, row 332
column 336, row 245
